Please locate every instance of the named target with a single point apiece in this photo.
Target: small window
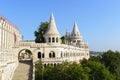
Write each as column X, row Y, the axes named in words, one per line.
column 43, row 55
column 50, row 55
column 39, row 54
column 53, row 54
column 53, row 39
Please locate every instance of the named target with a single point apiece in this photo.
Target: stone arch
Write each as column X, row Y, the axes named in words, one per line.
column 25, row 54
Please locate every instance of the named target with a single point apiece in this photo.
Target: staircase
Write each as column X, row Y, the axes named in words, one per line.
column 23, row 71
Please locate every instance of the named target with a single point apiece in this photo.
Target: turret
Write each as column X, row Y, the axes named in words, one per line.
column 52, row 36
column 76, row 38
column 67, row 35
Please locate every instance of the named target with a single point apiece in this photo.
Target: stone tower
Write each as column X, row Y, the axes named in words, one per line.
column 67, row 35
column 52, row 36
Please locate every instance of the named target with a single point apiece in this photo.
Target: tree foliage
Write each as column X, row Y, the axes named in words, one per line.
column 28, row 52
column 63, row 39
column 98, row 71
column 88, row 70
column 40, row 32
column 111, row 60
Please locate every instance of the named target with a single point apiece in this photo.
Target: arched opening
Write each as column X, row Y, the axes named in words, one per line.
column 52, row 54
column 54, row 64
column 51, row 64
column 43, row 55
column 53, row 39
column 25, row 61
column 25, row 54
column 39, row 54
column 45, row 65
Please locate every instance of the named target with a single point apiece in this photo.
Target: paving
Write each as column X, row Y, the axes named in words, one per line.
column 23, row 71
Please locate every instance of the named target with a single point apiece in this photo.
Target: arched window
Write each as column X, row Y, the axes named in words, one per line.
column 49, row 39
column 44, row 65
column 50, row 55
column 43, row 55
column 54, row 64
column 39, row 54
column 53, row 39
column 53, row 54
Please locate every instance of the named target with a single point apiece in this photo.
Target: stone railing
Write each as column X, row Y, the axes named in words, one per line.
column 7, row 64
column 30, row 44
column 52, row 59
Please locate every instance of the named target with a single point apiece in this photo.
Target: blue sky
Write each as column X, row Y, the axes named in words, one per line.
column 98, row 20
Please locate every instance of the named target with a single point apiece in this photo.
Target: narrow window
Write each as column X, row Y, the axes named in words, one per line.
column 39, row 54
column 50, row 55
column 53, row 54
column 43, row 55
column 53, row 39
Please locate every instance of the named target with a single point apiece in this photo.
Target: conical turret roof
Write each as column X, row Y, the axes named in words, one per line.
column 52, row 29
column 75, row 31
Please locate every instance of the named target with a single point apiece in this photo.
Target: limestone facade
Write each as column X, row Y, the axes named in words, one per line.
column 9, row 35
column 53, row 51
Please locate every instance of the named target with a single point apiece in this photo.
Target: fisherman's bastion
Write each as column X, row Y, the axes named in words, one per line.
column 52, row 52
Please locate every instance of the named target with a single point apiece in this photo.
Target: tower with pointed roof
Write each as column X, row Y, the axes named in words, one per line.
column 75, row 38
column 67, row 35
column 52, row 36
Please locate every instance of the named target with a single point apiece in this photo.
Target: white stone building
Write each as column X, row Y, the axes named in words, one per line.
column 53, row 52
column 9, row 35
column 50, row 53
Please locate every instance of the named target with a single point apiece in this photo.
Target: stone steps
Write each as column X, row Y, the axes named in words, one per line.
column 23, row 71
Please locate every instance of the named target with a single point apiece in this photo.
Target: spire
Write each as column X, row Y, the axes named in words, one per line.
column 52, row 29
column 75, row 31
column 67, row 33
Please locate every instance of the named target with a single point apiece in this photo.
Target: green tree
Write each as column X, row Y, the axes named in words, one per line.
column 63, row 39
column 28, row 52
column 38, row 70
column 40, row 32
column 111, row 60
column 95, row 58
column 98, row 71
column 76, row 72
